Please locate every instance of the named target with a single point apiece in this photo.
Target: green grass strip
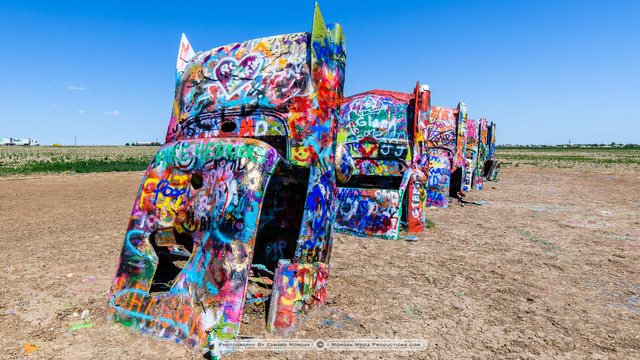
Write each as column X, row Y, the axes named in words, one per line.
column 85, row 166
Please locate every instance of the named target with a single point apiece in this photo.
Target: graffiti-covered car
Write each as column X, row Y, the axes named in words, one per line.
column 459, row 160
column 445, row 147
column 245, row 183
column 482, row 153
column 384, row 132
column 491, row 164
column 478, row 150
column 471, row 156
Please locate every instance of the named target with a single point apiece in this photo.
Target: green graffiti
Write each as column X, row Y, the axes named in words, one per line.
column 184, row 152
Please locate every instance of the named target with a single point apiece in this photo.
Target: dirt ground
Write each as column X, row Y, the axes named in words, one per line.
column 549, row 268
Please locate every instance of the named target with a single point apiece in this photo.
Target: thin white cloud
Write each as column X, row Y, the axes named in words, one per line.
column 81, row 112
column 112, row 113
column 76, row 88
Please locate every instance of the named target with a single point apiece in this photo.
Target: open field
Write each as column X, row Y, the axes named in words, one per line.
column 19, row 160
column 583, row 158
column 79, row 159
column 548, row 269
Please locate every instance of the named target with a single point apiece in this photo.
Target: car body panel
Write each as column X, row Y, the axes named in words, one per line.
column 482, row 153
column 371, row 211
column 459, row 161
column 492, row 165
column 383, row 132
column 471, row 157
column 246, row 180
column 220, row 217
column 441, row 148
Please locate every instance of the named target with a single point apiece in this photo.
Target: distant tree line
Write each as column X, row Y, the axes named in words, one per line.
column 143, row 143
column 610, row 145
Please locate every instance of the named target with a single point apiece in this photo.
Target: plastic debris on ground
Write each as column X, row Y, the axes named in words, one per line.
column 29, row 347
column 80, row 325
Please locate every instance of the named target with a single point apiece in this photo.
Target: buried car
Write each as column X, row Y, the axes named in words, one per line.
column 482, row 153
column 245, row 184
column 491, row 165
column 445, row 147
column 471, row 156
column 477, row 152
column 385, row 134
column 459, row 161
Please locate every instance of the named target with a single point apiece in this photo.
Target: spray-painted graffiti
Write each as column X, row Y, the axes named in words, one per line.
column 417, row 195
column 491, row 142
column 482, row 152
column 371, row 211
column 417, row 201
column 461, row 139
column 379, row 166
column 441, row 148
column 469, row 173
column 297, row 289
column 212, row 220
column 263, row 89
column 374, row 116
column 492, row 166
column 211, row 203
column 438, row 178
column 378, row 129
column 492, row 169
column 458, row 166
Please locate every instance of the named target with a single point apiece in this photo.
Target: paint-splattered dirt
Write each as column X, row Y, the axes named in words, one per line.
column 549, row 268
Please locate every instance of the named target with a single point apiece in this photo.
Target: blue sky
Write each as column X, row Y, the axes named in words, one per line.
column 544, row 71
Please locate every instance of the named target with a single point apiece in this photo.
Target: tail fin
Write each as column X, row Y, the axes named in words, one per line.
column 185, row 53
column 328, row 42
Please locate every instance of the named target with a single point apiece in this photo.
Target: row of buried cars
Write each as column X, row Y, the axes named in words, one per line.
column 408, row 156
column 264, row 158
